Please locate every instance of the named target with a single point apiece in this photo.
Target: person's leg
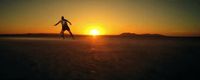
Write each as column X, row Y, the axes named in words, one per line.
column 71, row 34
column 62, row 34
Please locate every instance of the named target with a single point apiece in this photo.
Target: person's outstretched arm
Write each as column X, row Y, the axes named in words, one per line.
column 57, row 23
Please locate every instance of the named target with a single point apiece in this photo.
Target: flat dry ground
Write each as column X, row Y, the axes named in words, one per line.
column 99, row 59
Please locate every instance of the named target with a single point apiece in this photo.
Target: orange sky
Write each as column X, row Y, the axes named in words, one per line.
column 108, row 16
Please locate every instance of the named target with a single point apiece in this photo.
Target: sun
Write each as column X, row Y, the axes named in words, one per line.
column 94, row 32
column 94, row 29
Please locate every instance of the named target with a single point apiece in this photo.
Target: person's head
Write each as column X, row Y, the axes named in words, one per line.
column 62, row 17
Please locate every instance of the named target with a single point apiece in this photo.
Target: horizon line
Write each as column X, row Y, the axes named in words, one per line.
column 97, row 35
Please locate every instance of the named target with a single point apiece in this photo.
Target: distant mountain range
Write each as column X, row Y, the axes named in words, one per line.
column 141, row 35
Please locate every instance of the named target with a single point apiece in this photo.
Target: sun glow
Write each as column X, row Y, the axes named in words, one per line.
column 94, row 32
column 94, row 29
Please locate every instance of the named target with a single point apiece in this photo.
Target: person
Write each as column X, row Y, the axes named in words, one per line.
column 65, row 26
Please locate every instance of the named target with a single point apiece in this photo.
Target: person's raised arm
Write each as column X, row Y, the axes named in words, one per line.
column 57, row 23
column 68, row 22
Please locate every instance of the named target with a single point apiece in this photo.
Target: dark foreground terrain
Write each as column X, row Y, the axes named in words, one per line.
column 100, row 59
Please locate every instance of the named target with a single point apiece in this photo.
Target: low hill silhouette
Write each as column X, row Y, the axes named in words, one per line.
column 141, row 35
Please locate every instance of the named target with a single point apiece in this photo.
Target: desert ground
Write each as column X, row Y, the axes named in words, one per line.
column 99, row 58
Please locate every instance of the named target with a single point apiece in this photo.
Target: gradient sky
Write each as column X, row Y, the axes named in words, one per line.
column 168, row 17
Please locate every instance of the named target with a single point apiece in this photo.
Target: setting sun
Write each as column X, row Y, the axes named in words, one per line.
column 94, row 32
column 94, row 29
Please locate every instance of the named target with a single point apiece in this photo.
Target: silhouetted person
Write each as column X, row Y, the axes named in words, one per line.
column 65, row 26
